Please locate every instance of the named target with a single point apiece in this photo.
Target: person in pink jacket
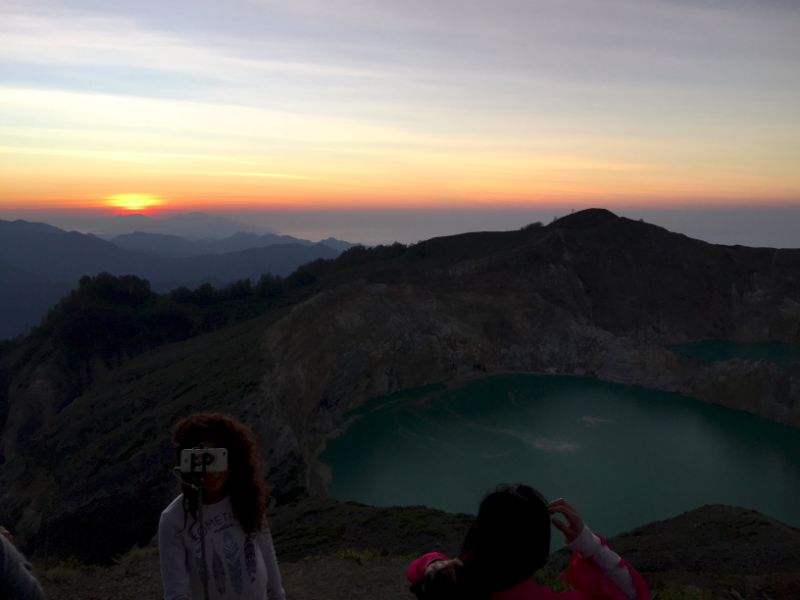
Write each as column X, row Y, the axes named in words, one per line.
column 510, row 541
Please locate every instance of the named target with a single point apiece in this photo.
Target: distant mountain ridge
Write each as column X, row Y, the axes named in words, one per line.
column 192, row 226
column 590, row 294
column 178, row 247
column 47, row 262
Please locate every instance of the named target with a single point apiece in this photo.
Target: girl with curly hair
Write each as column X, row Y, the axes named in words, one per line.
column 213, row 539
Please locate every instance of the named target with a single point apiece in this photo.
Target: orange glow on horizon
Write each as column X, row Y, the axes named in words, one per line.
column 134, row 202
column 335, row 200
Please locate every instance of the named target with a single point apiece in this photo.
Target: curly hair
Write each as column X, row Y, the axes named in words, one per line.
column 245, row 486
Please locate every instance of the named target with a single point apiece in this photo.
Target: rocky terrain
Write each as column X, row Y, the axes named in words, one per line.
column 590, row 294
column 345, row 551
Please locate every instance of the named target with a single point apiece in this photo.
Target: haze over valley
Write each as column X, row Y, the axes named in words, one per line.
column 41, row 263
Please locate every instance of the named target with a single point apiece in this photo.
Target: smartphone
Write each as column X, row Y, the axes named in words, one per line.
column 204, row 460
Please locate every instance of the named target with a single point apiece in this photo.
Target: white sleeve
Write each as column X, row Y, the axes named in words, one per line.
column 589, row 546
column 274, row 582
column 172, row 555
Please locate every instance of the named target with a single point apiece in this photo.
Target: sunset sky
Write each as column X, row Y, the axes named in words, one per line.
column 388, row 104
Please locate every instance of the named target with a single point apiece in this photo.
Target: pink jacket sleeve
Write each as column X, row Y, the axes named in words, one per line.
column 585, row 575
column 416, row 570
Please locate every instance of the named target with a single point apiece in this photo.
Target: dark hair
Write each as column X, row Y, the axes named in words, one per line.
column 510, row 539
column 508, row 542
column 245, row 485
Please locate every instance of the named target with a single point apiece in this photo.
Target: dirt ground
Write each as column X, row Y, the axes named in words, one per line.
column 312, row 579
column 344, row 551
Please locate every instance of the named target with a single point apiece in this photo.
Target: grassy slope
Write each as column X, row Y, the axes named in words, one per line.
column 344, row 551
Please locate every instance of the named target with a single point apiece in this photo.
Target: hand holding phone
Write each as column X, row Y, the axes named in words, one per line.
column 197, row 461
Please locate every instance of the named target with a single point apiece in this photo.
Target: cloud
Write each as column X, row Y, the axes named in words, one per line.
column 514, row 98
column 207, row 118
column 255, row 174
column 614, row 42
column 88, row 39
column 625, row 39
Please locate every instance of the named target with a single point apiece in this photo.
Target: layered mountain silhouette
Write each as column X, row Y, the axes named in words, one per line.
column 87, row 439
column 42, row 263
column 178, row 247
column 192, row 226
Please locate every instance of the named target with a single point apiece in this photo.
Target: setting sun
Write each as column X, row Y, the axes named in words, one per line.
column 134, row 201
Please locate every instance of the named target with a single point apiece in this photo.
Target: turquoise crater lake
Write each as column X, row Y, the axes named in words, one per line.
column 623, row 455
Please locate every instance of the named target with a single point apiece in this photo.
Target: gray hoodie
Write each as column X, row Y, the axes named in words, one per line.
column 238, row 566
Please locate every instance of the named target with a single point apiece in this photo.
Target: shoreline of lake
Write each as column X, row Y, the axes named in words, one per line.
column 556, row 446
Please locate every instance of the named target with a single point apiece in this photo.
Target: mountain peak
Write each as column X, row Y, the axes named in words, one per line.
column 586, row 219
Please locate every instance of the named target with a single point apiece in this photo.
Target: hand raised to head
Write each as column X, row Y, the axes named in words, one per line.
column 572, row 524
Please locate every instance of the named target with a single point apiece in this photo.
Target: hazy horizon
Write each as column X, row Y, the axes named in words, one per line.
column 758, row 226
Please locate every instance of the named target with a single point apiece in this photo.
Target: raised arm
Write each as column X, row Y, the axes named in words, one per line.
column 595, row 569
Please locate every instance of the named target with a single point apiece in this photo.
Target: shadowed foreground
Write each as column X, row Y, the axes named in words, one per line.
column 341, row 551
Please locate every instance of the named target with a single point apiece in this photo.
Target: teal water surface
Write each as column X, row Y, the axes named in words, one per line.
column 623, row 455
